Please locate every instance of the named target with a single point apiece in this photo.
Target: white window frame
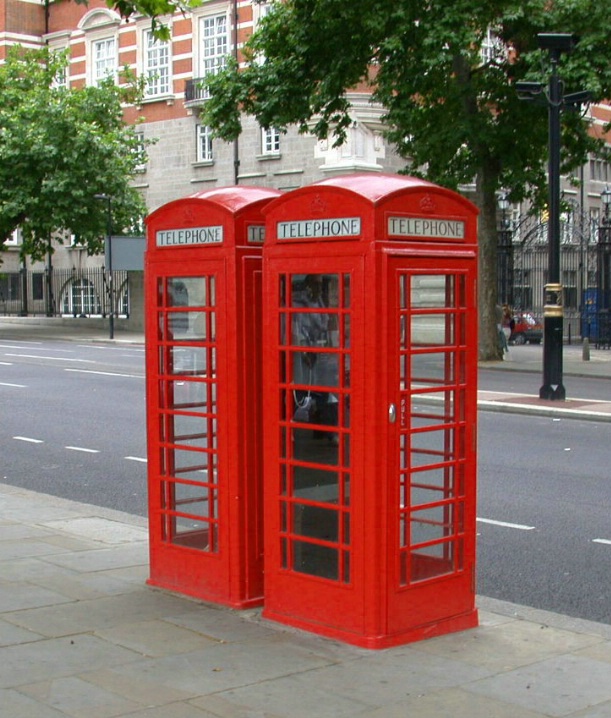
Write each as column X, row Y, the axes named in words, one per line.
column 15, row 239
column 156, row 65
column 214, row 44
column 203, row 144
column 270, row 142
column 106, row 64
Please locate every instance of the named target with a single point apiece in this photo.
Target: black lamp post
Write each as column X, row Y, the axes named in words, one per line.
column 603, row 252
column 553, row 315
column 111, row 317
column 505, row 253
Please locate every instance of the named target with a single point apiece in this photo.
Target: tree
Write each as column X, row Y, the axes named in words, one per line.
column 59, row 148
column 452, row 112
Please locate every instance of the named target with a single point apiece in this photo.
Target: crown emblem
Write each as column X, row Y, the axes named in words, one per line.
column 318, row 205
column 428, row 204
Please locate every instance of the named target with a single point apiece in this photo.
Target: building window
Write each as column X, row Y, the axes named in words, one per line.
column 140, row 151
column 493, row 50
column 214, row 45
column 599, row 170
column 270, row 141
column 203, row 144
column 14, row 239
column 104, row 59
column 156, row 65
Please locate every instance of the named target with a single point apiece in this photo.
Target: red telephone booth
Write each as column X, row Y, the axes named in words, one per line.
column 203, row 361
column 370, row 409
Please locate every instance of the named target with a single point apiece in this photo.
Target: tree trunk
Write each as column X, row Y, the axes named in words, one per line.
column 485, row 200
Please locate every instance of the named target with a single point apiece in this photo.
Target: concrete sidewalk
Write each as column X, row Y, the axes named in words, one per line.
column 81, row 635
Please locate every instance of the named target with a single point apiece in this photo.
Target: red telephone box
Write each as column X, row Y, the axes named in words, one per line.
column 203, row 361
column 370, row 409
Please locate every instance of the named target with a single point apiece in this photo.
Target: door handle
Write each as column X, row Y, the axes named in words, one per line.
column 392, row 414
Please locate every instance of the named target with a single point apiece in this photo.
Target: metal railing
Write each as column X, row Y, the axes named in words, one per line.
column 63, row 292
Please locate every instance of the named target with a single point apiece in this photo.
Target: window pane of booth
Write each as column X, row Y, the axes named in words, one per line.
column 314, row 328
column 188, row 406
column 430, row 375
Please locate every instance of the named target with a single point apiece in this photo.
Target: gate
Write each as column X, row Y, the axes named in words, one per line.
column 578, row 270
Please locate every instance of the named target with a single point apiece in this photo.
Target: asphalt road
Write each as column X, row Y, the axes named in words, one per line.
column 74, row 426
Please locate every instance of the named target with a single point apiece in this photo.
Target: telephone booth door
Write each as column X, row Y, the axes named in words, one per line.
column 432, row 361
column 310, row 459
column 203, row 361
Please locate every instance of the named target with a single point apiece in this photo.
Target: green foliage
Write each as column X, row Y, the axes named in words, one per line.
column 59, row 148
column 454, row 117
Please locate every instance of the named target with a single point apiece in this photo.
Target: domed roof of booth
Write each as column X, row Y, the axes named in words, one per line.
column 374, row 186
column 235, row 197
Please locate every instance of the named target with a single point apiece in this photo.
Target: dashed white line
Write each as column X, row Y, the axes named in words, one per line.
column 15, row 386
column 40, row 356
column 105, row 373
column 521, row 527
column 82, row 448
column 29, row 439
column 136, row 458
column 605, row 541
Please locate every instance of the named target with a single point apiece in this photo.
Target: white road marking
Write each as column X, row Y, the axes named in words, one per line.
column 81, row 448
column 136, row 458
column 17, row 386
column 105, row 373
column 29, row 439
column 12, row 346
column 605, row 541
column 521, row 527
column 40, row 356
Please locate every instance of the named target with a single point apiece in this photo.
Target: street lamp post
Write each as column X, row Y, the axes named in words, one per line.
column 111, row 317
column 505, row 253
column 553, row 315
column 604, row 253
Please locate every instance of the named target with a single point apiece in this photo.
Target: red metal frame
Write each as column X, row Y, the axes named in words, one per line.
column 203, row 360
column 371, row 541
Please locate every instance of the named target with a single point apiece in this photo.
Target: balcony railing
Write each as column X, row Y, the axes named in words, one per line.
column 195, row 92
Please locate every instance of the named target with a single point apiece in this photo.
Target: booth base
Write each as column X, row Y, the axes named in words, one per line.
column 452, row 624
column 202, row 595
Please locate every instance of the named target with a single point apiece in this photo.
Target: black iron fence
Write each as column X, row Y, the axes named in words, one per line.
column 64, row 292
column 585, row 252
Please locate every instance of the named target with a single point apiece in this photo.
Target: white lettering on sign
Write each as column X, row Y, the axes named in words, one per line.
column 426, row 227
column 314, row 228
column 190, row 235
column 255, row 234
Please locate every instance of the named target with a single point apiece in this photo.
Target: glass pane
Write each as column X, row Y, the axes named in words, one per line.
column 193, row 534
column 194, row 500
column 346, row 302
column 439, row 480
column 188, row 360
column 433, row 368
column 315, row 522
column 432, row 409
column 430, row 330
column 431, row 524
column 188, row 394
column 431, row 561
column 429, row 290
column 432, row 447
column 315, row 560
column 316, row 484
